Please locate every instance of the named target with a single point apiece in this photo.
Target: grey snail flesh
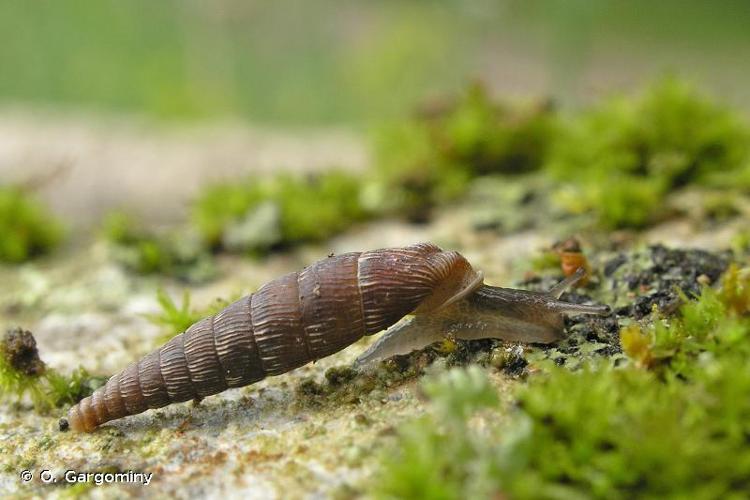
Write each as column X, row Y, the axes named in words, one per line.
column 487, row 312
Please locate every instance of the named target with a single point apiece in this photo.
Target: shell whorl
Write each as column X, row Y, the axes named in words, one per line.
column 295, row 319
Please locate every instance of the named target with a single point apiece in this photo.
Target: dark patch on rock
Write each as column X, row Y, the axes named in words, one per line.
column 613, row 264
column 339, row 375
column 513, row 362
column 596, row 329
column 308, row 387
column 467, row 351
column 668, row 272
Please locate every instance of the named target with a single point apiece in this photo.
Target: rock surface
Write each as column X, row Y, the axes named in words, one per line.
column 311, row 433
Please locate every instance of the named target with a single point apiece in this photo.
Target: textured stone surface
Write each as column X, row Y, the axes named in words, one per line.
column 299, row 435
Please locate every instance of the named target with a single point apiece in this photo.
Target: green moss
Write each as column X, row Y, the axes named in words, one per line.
column 320, row 208
column 27, row 229
column 220, row 205
column 16, row 382
column 672, row 423
column 493, row 137
column 625, row 155
column 741, row 243
column 146, row 252
column 545, row 260
column 176, row 319
column 430, row 159
column 616, row 162
column 621, row 201
column 459, row 393
column 23, row 374
column 69, row 389
column 436, row 452
column 257, row 215
column 713, row 327
column 410, row 178
column 720, row 205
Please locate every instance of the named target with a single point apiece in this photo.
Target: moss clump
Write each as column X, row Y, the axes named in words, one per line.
column 23, row 373
column 70, row 389
column 671, row 423
column 624, row 156
column 21, row 369
column 258, row 215
column 614, row 163
column 27, row 229
column 431, row 159
column 436, row 453
column 409, row 179
column 735, row 291
column 720, row 205
column 741, row 244
column 544, row 260
column 716, row 323
column 176, row 319
column 145, row 252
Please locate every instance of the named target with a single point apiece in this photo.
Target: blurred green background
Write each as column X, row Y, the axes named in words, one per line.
column 315, row 62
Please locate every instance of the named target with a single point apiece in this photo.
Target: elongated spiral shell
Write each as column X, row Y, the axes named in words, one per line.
column 290, row 321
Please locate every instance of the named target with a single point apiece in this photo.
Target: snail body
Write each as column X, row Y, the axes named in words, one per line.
column 304, row 316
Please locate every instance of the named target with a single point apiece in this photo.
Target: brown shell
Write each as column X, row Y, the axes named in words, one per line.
column 290, row 321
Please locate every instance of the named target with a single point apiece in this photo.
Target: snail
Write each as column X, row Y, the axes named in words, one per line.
column 307, row 315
